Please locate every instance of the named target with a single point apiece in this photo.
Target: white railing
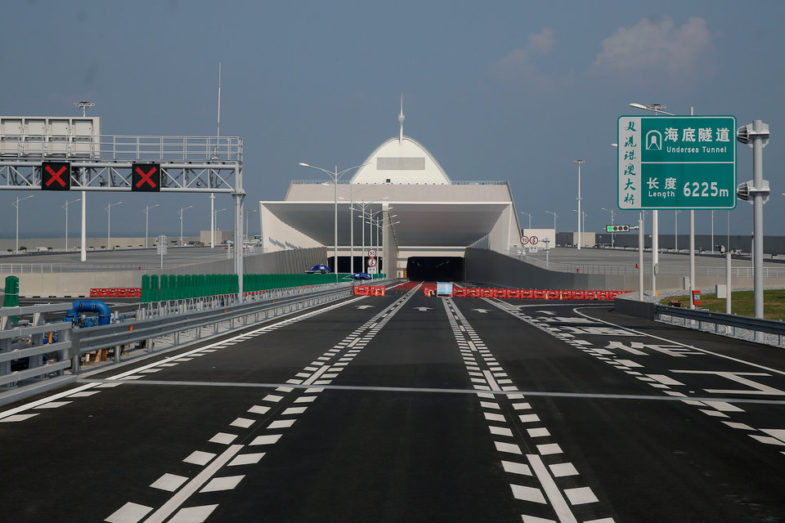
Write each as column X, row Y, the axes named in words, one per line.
column 212, row 149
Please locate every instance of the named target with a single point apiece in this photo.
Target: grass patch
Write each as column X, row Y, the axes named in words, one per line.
column 742, row 303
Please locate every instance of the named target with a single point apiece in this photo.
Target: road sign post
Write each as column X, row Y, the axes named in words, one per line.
column 676, row 162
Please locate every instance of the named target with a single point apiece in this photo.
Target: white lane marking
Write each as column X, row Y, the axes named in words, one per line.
column 315, row 376
column 539, row 432
column 724, row 406
column 129, row 513
column 223, row 438
column 169, row 482
column 192, row 486
column 246, row 459
column 491, row 381
column 270, row 439
column 305, row 399
column 558, row 502
column 274, row 398
column 224, row 483
column 529, row 418
column 507, row 447
column 26, row 406
column 777, row 433
column 549, row 449
column 291, row 411
column 53, row 405
column 281, row 424
column 531, row 494
column 193, row 514
column 516, row 468
column 580, row 495
column 705, row 351
column 500, row 431
column 561, row 470
column 258, row 409
column 243, row 423
column 198, row 457
column 18, row 417
column 85, row 394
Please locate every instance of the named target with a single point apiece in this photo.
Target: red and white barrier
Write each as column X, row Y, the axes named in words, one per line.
column 369, row 290
column 116, row 292
column 533, row 294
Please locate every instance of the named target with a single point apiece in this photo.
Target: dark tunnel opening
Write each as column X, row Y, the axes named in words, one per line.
column 438, row 268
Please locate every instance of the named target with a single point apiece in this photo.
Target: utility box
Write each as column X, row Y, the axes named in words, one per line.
column 685, row 282
column 721, row 290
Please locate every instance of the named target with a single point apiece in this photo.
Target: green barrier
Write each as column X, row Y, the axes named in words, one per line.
column 11, row 298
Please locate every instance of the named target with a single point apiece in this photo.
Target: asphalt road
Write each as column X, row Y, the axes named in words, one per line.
column 407, row 408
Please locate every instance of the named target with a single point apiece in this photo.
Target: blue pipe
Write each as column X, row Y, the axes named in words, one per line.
column 104, row 316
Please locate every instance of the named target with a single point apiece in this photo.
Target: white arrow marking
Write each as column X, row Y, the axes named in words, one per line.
column 362, row 307
column 481, row 311
column 423, row 309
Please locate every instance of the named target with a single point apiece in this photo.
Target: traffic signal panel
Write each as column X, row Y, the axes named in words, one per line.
column 55, row 176
column 617, row 228
column 146, row 177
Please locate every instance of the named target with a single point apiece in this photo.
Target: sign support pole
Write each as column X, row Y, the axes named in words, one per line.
column 757, row 181
column 83, row 255
column 692, row 257
column 640, row 255
column 727, row 280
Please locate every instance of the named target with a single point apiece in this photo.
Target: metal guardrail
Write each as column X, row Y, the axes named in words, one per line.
column 769, row 332
column 157, row 327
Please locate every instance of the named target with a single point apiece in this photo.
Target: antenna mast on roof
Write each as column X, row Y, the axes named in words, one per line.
column 400, row 120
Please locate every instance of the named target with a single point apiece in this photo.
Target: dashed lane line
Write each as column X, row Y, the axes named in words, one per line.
column 281, row 414
column 530, row 480
column 13, row 415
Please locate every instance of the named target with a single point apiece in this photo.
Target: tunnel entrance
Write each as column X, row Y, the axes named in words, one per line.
column 440, row 268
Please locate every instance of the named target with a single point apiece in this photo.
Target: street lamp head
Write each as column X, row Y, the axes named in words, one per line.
column 638, row 106
column 579, row 162
column 303, row 164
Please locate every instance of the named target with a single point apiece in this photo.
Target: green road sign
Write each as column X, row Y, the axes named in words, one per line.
column 677, row 162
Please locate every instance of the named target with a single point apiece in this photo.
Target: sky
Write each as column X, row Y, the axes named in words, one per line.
column 497, row 90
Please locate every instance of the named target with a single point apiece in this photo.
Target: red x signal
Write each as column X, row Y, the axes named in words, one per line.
column 146, row 177
column 55, row 176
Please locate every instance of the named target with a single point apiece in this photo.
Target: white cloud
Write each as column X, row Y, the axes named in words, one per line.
column 657, row 45
column 520, row 65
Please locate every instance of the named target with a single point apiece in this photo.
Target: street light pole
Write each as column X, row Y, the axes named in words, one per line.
column 530, row 217
column 18, row 199
column 334, row 174
column 554, row 219
column 676, row 231
column 147, row 221
column 182, row 209
column 67, row 203
column 109, row 223
column 580, row 239
column 612, row 224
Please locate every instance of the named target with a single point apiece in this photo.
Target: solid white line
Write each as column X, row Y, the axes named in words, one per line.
column 558, row 502
column 36, row 403
column 315, row 376
column 192, row 486
column 491, row 381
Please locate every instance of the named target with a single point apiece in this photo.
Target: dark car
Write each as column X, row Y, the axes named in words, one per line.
column 318, row 269
column 361, row 276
